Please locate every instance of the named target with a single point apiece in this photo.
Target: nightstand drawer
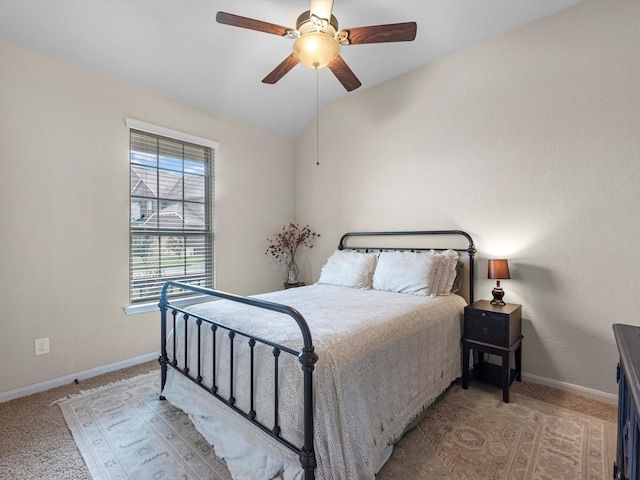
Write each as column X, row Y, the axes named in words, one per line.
column 484, row 328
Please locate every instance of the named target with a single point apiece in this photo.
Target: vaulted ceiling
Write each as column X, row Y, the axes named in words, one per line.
column 176, row 48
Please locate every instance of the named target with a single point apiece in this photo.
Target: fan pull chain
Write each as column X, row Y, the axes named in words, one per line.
column 317, row 122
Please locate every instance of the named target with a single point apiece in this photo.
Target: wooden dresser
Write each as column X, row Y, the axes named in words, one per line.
column 627, row 464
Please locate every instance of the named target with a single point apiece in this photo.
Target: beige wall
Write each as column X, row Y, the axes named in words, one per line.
column 530, row 142
column 64, row 210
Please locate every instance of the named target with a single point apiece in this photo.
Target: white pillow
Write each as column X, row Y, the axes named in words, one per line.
column 453, row 270
column 406, row 272
column 448, row 262
column 349, row 268
column 441, row 264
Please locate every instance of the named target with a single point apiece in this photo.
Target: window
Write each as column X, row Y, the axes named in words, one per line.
column 171, row 232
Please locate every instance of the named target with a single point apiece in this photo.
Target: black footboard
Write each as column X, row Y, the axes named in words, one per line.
column 306, row 356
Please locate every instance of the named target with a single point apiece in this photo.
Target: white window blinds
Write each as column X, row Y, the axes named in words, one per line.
column 171, row 234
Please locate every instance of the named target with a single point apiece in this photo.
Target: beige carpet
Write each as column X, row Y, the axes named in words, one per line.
column 35, row 441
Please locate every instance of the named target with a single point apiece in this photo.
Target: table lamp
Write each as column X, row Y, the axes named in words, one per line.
column 499, row 270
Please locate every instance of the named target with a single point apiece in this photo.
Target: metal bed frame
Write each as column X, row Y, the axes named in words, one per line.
column 306, row 355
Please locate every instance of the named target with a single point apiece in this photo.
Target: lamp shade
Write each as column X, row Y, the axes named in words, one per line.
column 498, row 269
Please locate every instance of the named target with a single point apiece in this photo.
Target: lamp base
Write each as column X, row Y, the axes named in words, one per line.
column 498, row 295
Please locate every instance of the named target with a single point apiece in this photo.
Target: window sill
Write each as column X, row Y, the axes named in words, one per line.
column 152, row 307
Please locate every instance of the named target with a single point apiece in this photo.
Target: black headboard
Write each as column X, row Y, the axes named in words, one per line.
column 417, row 241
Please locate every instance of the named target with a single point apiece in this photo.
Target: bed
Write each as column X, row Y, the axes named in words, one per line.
column 320, row 381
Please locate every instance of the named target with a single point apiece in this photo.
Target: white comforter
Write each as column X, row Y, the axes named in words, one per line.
column 383, row 358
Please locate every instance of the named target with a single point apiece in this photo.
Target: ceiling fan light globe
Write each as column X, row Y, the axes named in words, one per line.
column 316, row 49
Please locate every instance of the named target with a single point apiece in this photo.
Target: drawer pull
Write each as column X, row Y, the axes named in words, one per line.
column 485, row 330
column 484, row 314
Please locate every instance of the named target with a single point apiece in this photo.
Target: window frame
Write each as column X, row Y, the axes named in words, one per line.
column 132, row 124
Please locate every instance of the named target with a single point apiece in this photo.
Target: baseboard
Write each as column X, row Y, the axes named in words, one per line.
column 568, row 387
column 67, row 379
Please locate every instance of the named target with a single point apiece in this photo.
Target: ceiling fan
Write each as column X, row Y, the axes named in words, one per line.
column 318, row 40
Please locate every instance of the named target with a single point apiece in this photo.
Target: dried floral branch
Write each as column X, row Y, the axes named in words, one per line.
column 283, row 245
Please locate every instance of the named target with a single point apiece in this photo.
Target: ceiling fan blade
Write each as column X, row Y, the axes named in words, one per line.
column 395, row 32
column 250, row 23
column 281, row 70
column 321, row 8
column 344, row 74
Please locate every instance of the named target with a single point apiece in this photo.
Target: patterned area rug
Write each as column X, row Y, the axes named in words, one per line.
column 472, row 435
column 125, row 432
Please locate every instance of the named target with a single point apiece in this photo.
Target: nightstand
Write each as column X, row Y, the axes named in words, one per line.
column 494, row 329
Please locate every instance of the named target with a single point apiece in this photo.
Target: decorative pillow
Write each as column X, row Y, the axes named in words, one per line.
column 406, row 272
column 449, row 261
column 349, row 268
column 441, row 265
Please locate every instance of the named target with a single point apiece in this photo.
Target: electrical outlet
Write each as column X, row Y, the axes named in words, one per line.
column 42, row 346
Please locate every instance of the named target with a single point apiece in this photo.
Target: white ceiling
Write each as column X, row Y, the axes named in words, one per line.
column 176, row 48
